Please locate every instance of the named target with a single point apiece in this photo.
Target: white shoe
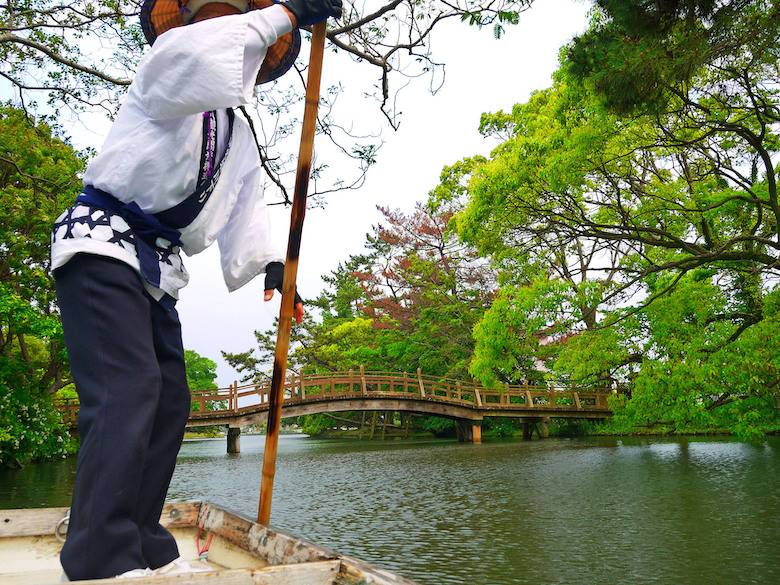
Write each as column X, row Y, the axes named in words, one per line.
column 132, row 574
column 126, row 575
column 180, row 566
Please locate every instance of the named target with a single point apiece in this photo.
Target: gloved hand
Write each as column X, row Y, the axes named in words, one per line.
column 308, row 12
column 274, row 277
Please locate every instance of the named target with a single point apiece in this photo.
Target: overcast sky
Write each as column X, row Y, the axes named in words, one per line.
column 482, row 75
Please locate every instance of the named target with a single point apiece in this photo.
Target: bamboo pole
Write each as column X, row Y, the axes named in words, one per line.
column 291, row 270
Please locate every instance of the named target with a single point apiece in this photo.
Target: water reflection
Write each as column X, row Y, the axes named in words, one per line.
column 606, row 511
column 38, row 486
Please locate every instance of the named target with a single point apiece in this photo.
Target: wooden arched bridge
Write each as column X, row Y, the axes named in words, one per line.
column 467, row 403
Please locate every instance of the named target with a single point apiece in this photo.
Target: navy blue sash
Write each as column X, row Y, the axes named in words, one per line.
column 146, row 228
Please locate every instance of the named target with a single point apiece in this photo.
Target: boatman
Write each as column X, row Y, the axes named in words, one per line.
column 178, row 171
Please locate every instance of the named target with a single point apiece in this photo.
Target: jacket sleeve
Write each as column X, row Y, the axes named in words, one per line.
column 245, row 242
column 208, row 65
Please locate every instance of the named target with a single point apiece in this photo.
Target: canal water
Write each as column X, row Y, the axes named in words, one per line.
column 582, row 511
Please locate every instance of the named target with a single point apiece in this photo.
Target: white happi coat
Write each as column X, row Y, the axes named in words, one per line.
column 152, row 155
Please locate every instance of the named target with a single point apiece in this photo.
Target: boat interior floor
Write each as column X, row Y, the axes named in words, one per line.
column 238, row 552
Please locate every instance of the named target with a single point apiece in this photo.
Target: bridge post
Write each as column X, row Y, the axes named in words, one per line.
column 477, row 397
column 463, row 431
column 468, row 431
column 362, row 426
column 234, row 440
column 373, row 424
column 545, row 430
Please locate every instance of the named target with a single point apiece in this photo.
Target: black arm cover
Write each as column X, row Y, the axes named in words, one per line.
column 308, row 12
column 274, row 277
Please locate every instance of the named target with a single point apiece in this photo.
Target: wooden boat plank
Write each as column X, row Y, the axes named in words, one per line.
column 34, row 522
column 274, row 546
column 357, row 572
column 180, row 514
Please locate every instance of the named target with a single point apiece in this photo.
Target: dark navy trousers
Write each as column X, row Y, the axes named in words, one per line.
column 127, row 361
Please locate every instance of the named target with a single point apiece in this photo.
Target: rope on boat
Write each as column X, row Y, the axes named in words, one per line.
column 203, row 552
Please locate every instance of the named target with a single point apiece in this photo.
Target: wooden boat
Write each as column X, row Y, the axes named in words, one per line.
column 239, row 551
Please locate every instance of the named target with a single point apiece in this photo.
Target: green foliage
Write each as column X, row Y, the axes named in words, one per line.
column 39, row 178
column 566, row 427
column 201, row 373
column 67, row 393
column 687, row 367
column 314, row 424
column 637, row 54
column 509, row 337
column 499, row 427
column 424, row 292
column 632, row 214
column 437, row 426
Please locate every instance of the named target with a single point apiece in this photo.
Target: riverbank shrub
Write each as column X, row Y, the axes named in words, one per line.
column 30, row 430
column 439, row 427
column 204, row 433
column 314, row 424
column 500, row 427
column 567, row 427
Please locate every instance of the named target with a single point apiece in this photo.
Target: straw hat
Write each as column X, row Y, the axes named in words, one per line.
column 158, row 16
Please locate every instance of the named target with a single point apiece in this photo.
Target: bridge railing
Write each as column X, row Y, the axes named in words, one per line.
column 526, row 395
column 68, row 409
column 354, row 383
